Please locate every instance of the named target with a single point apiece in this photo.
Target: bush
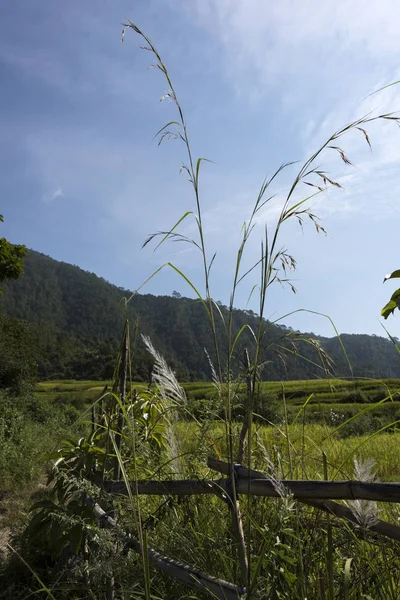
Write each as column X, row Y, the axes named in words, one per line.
column 29, row 429
column 17, row 355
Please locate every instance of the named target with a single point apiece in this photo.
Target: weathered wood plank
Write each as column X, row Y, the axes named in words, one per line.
column 378, row 526
column 173, row 488
column 187, row 574
column 322, row 490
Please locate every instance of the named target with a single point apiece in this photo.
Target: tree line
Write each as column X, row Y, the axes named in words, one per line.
column 73, row 321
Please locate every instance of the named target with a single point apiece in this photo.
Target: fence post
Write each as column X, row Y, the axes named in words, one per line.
column 123, row 374
column 245, row 426
column 237, row 523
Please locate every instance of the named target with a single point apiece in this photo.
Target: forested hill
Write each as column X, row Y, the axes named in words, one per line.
column 77, row 320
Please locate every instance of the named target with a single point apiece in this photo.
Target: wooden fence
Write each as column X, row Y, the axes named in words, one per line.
column 237, row 480
column 300, row 490
column 184, row 573
column 317, row 494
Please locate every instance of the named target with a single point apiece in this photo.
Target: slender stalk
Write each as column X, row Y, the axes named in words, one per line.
column 287, row 430
column 193, row 178
column 122, row 391
column 110, row 582
column 329, row 554
column 248, row 416
column 238, row 532
column 86, row 573
column 274, row 260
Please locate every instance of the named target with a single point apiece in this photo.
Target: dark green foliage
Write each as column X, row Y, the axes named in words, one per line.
column 78, row 319
column 11, row 257
column 11, row 266
column 370, row 356
column 29, row 429
column 17, row 354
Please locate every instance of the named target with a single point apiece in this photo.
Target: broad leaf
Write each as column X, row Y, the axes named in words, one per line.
column 392, row 275
column 393, row 303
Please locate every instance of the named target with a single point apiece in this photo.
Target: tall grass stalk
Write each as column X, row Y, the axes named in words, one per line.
column 275, row 261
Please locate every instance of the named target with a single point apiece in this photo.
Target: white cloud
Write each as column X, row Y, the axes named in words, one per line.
column 58, row 192
column 48, row 198
column 317, row 59
column 270, row 37
column 370, row 185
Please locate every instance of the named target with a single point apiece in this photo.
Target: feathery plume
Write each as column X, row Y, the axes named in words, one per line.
column 164, row 377
column 365, row 511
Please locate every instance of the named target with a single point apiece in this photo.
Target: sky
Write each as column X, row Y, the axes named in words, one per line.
column 261, row 84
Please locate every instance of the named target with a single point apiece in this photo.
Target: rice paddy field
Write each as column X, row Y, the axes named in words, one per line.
column 297, row 420
column 321, row 392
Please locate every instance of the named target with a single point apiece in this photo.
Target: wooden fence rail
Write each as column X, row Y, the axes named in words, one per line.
column 318, row 494
column 301, row 490
column 389, row 530
column 186, row 574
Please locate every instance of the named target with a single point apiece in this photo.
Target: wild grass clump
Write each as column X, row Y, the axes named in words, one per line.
column 236, row 365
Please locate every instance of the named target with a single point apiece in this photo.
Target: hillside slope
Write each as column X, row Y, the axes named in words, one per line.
column 78, row 318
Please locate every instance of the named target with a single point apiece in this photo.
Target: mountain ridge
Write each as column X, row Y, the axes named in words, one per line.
column 78, row 318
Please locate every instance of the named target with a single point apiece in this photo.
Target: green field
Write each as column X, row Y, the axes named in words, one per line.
column 375, row 403
column 296, row 392
column 331, row 426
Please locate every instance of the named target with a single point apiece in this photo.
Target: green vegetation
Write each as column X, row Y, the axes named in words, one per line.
column 196, row 529
column 77, row 318
column 394, row 301
column 30, row 427
column 332, row 402
column 318, row 427
column 11, row 259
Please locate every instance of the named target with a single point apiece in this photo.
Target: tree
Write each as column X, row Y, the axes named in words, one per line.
column 176, row 294
column 18, row 364
column 11, row 257
column 394, row 301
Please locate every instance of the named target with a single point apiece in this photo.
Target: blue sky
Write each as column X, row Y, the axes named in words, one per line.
column 261, row 83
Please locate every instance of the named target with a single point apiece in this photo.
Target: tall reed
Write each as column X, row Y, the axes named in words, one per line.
column 274, row 266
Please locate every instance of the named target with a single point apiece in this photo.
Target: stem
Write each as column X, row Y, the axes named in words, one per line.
column 122, row 391
column 329, row 555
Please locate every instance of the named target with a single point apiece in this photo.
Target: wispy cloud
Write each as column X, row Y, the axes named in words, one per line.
column 48, row 198
column 271, row 41
column 319, row 60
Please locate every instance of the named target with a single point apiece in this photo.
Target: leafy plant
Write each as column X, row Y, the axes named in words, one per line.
column 11, row 257
column 394, row 301
column 275, row 262
column 275, row 265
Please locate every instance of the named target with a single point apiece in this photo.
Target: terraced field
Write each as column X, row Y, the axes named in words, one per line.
column 375, row 403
